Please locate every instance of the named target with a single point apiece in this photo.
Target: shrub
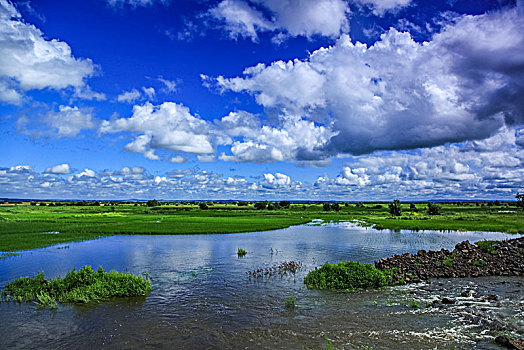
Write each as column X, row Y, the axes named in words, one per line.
column 346, row 275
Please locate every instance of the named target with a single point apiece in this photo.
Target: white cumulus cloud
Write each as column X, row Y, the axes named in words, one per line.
column 59, row 169
column 284, row 17
column 464, row 84
column 30, row 61
column 69, row 121
column 380, row 7
column 169, row 126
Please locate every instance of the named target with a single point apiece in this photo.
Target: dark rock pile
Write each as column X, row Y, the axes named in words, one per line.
column 502, row 258
column 509, row 343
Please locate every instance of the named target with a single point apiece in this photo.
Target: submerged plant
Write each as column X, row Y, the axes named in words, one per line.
column 291, row 301
column 282, row 269
column 329, row 344
column 80, row 286
column 7, row 255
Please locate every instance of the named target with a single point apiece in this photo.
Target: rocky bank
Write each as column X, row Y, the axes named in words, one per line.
column 492, row 258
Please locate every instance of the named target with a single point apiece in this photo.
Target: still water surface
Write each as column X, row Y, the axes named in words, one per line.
column 202, row 296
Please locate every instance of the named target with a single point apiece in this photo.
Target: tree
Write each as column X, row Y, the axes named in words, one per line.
column 203, row 206
column 433, row 209
column 284, row 204
column 395, row 208
column 520, row 200
column 153, row 203
column 261, row 205
column 412, row 207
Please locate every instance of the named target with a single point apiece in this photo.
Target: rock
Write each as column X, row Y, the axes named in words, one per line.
column 509, row 343
column 467, row 259
column 491, row 297
column 448, row 301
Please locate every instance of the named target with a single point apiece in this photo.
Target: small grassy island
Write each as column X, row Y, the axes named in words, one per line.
column 347, row 276
column 80, row 286
column 485, row 258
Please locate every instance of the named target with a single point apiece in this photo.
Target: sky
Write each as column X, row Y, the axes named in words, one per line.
column 347, row 100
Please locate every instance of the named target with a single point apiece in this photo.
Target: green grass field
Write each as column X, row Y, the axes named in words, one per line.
column 25, row 226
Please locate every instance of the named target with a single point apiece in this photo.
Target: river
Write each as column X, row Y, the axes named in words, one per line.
column 203, row 297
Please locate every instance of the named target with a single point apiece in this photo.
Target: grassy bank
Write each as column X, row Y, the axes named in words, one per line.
column 24, row 226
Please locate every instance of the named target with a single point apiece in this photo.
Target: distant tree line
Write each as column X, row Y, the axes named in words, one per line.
column 395, row 208
column 272, row 205
column 331, row 207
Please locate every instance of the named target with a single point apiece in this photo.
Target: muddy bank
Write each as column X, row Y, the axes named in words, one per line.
column 490, row 258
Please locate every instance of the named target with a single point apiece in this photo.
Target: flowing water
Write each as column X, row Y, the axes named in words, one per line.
column 203, row 297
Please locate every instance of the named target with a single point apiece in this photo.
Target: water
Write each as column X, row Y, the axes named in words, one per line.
column 202, row 296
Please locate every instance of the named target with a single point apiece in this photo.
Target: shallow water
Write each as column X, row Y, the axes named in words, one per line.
column 203, row 298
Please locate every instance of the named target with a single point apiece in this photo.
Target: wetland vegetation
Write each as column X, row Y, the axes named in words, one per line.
column 35, row 225
column 80, row 286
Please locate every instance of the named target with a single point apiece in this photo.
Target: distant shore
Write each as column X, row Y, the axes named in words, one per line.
column 39, row 224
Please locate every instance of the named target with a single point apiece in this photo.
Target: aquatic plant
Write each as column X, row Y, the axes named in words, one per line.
column 329, row 344
column 291, row 301
column 241, row 252
column 7, row 255
column 346, row 275
column 281, row 270
column 80, row 286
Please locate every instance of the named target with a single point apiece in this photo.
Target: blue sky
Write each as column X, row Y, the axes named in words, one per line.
column 261, row 99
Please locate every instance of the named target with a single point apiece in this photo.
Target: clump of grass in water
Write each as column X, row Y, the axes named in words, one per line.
column 347, row 275
column 291, row 301
column 80, row 286
column 241, row 252
column 329, row 344
column 282, row 269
